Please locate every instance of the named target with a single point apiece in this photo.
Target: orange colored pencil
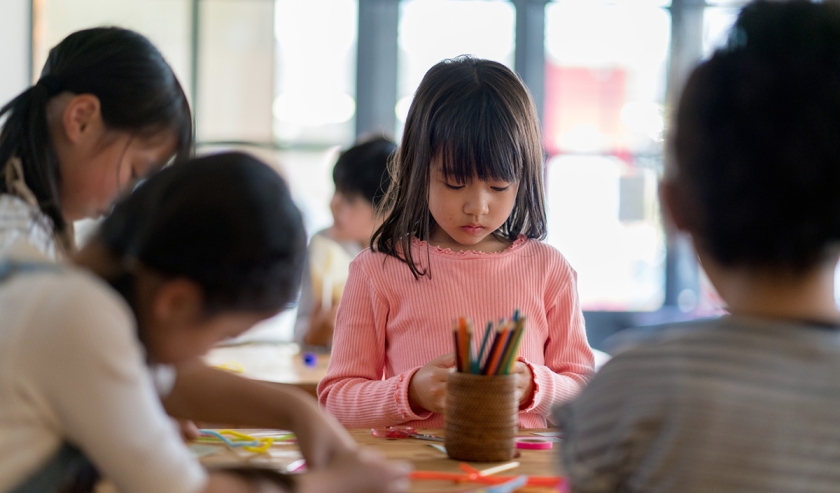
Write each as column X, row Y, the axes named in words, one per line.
column 498, row 349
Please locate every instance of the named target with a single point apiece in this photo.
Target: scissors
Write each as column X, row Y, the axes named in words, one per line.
column 402, row 432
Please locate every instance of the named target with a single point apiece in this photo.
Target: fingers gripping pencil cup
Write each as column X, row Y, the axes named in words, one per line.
column 481, row 402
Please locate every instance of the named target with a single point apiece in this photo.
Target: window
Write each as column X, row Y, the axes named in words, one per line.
column 603, row 124
column 433, row 30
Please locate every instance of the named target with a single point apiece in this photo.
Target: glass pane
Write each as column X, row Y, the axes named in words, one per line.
column 606, row 67
column 605, row 77
column 165, row 22
column 432, row 30
column 716, row 24
column 728, row 3
column 623, row 3
column 235, row 70
column 316, row 69
column 604, row 217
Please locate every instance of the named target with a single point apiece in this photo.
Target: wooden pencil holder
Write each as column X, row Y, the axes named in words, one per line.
column 480, row 417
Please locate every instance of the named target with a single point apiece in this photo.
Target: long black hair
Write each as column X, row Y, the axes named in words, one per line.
column 225, row 221
column 137, row 90
column 479, row 118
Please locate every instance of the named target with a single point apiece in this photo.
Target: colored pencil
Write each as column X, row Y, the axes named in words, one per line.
column 493, row 362
column 477, row 362
column 512, row 353
column 496, row 358
column 456, row 338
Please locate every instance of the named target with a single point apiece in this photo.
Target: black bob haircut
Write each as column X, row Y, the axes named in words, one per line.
column 478, row 117
column 225, row 221
column 363, row 169
column 757, row 140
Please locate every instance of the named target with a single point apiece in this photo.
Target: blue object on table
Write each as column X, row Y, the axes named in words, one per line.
column 310, row 359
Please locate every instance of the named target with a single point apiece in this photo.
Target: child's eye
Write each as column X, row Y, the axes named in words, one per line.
column 500, row 189
column 453, row 187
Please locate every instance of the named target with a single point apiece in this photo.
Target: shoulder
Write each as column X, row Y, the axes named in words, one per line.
column 546, row 261
column 374, row 264
column 19, row 220
column 82, row 305
column 543, row 250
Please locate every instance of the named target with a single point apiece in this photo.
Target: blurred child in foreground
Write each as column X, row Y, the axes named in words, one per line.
column 750, row 401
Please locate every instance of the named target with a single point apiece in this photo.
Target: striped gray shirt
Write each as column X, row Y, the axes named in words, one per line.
column 728, row 405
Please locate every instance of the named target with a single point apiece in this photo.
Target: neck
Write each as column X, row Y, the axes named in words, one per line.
column 97, row 259
column 777, row 294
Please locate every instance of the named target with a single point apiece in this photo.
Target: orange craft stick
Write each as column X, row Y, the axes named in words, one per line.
column 473, row 478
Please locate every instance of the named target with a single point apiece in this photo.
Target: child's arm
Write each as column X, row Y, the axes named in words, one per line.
column 90, row 382
column 353, row 390
column 568, row 358
column 207, row 394
column 362, row 471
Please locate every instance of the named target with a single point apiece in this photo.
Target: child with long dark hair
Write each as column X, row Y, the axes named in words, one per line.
column 465, row 214
column 106, row 111
column 197, row 254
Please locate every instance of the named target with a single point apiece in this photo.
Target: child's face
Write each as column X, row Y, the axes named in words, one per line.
column 467, row 214
column 174, row 324
column 93, row 177
column 97, row 163
column 354, row 218
column 176, row 343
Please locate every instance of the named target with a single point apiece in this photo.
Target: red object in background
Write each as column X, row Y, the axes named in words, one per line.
column 583, row 96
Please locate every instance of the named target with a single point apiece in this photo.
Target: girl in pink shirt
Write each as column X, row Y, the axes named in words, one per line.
column 464, row 216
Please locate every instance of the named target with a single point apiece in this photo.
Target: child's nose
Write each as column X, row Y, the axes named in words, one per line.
column 477, row 204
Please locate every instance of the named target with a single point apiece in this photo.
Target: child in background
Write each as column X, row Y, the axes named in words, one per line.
column 106, row 111
column 197, row 254
column 465, row 213
column 750, row 401
column 361, row 178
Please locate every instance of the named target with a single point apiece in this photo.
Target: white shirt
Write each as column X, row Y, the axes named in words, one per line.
column 72, row 370
column 21, row 220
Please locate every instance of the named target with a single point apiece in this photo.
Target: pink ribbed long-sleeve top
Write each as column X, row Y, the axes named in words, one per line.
column 390, row 324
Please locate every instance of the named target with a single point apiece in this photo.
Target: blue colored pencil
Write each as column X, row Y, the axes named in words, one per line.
column 477, row 362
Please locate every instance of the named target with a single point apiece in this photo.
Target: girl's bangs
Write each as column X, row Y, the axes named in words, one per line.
column 474, row 139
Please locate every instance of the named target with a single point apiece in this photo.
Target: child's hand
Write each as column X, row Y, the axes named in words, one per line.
column 524, row 382
column 359, row 471
column 320, row 437
column 427, row 389
column 187, row 429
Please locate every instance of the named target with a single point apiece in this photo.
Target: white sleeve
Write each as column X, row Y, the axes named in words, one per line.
column 91, row 368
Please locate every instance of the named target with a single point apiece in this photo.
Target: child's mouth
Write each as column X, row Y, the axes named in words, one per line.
column 472, row 229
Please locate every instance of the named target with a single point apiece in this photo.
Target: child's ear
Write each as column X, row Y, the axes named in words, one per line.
column 177, row 302
column 81, row 115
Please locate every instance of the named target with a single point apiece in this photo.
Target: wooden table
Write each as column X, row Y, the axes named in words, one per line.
column 271, row 362
column 426, row 458
column 417, row 452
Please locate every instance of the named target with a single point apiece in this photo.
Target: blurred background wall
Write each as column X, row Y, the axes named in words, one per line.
column 294, row 81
